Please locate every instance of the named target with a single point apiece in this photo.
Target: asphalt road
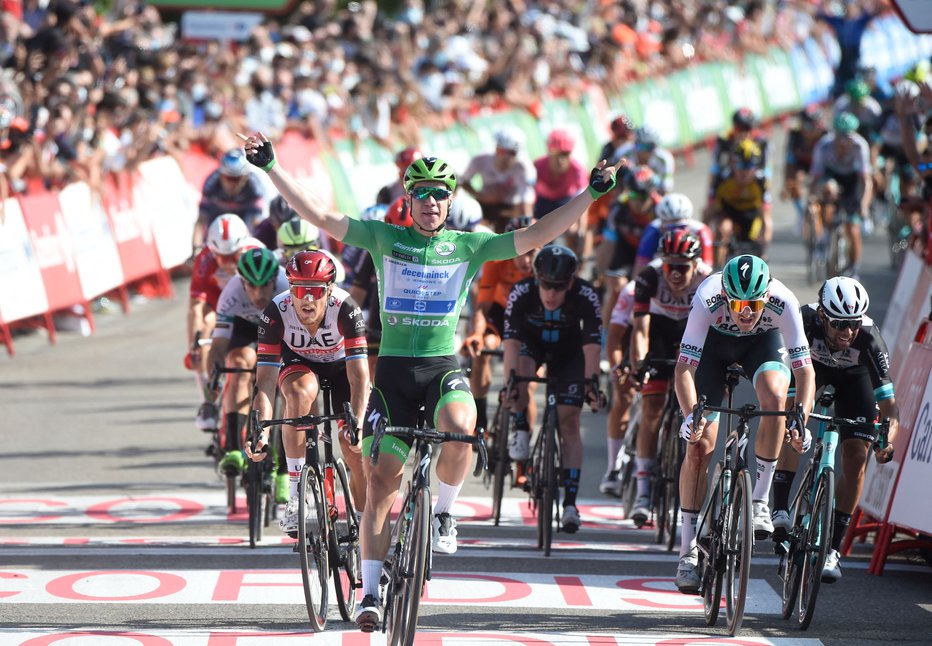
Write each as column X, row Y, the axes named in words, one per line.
column 113, row 528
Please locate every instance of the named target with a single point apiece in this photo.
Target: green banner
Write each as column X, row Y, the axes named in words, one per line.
column 343, row 198
column 743, row 90
column 699, row 92
column 627, row 103
column 485, row 126
column 456, row 145
column 661, row 109
column 563, row 115
column 777, row 82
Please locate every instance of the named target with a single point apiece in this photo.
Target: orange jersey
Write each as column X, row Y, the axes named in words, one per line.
column 497, row 279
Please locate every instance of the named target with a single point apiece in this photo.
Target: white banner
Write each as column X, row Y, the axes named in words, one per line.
column 170, row 205
column 95, row 250
column 902, row 295
column 912, row 505
column 219, row 25
column 22, row 293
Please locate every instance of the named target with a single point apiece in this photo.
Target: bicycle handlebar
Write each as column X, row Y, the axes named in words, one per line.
column 304, row 422
column 434, row 437
column 750, row 411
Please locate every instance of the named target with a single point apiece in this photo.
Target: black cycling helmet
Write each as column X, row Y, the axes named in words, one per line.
column 555, row 264
column 280, row 211
column 743, row 119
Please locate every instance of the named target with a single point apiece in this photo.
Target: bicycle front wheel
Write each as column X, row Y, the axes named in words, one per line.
column 709, row 539
column 549, row 499
column 668, row 490
column 411, row 571
column 739, row 543
column 255, row 500
column 312, row 546
column 502, row 464
column 817, row 544
column 344, row 543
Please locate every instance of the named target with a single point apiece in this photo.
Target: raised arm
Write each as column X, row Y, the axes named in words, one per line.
column 555, row 223
column 308, row 204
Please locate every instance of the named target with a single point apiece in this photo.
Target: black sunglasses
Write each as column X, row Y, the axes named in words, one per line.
column 844, row 324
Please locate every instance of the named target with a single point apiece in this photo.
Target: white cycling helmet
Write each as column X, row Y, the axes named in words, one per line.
column 509, row 138
column 234, row 164
column 907, row 89
column 674, row 207
column 843, row 298
column 465, row 213
column 227, row 234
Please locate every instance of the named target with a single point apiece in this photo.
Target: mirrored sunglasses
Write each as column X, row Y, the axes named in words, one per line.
column 738, row 306
column 681, row 267
column 436, row 192
column 301, row 292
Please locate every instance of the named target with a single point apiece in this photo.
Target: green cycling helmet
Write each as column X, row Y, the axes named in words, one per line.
column 745, row 278
column 297, row 233
column 430, row 169
column 846, row 123
column 857, row 89
column 257, row 266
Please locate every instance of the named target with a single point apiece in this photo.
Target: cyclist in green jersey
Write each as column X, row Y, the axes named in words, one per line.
column 424, row 274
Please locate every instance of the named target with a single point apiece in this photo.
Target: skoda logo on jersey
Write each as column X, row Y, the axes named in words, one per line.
column 391, row 320
column 444, row 248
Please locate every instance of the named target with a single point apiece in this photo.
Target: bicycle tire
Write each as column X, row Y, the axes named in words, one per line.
column 415, row 552
column 502, row 464
column 710, row 574
column 535, row 472
column 255, row 499
column 231, row 493
column 791, row 563
column 628, row 487
column 739, row 537
column 312, row 546
column 549, row 496
column 668, row 482
column 345, row 558
column 817, row 544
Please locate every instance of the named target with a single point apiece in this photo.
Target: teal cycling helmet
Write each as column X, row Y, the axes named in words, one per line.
column 857, row 89
column 257, row 266
column 846, row 123
column 745, row 278
column 430, row 169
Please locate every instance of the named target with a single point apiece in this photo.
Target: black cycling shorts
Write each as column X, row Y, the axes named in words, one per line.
column 850, row 192
column 333, row 372
column 244, row 334
column 564, row 367
column 854, row 399
column 401, row 385
column 755, row 354
column 664, row 340
column 622, row 262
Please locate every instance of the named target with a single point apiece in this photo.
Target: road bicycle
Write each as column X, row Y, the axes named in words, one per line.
column 545, row 464
column 329, row 541
column 409, row 564
column 805, row 547
column 665, row 477
column 725, row 532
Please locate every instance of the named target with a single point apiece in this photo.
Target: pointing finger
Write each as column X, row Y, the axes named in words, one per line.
column 242, row 136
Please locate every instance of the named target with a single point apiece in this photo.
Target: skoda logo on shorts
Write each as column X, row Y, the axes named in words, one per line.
column 392, row 320
column 444, row 248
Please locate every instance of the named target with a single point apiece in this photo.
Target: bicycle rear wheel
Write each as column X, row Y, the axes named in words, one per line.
column 668, row 498
column 411, row 571
column 739, row 543
column 709, row 568
column 502, row 464
column 549, row 497
column 312, row 546
column 344, row 543
column 817, row 544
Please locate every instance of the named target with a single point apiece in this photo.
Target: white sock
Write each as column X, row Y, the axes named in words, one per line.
column 614, row 446
column 765, row 469
column 688, row 521
column 294, row 474
column 642, row 468
column 371, row 573
column 446, row 496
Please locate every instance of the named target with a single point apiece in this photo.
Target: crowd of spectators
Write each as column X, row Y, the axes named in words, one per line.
column 87, row 90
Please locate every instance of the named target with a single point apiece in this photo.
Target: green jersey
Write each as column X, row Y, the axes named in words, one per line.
column 424, row 281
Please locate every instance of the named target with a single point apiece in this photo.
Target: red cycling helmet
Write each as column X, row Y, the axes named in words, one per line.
column 311, row 267
column 398, row 213
column 560, row 141
column 679, row 243
column 621, row 126
column 405, row 157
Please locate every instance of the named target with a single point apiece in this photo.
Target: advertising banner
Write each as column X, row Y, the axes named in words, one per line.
column 132, row 230
column 95, row 251
column 911, row 384
column 704, row 103
column 456, row 145
column 777, row 83
column 662, row 112
column 22, row 293
column 54, row 249
column 912, row 505
column 171, row 208
column 742, row 89
column 302, row 158
column 905, row 286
